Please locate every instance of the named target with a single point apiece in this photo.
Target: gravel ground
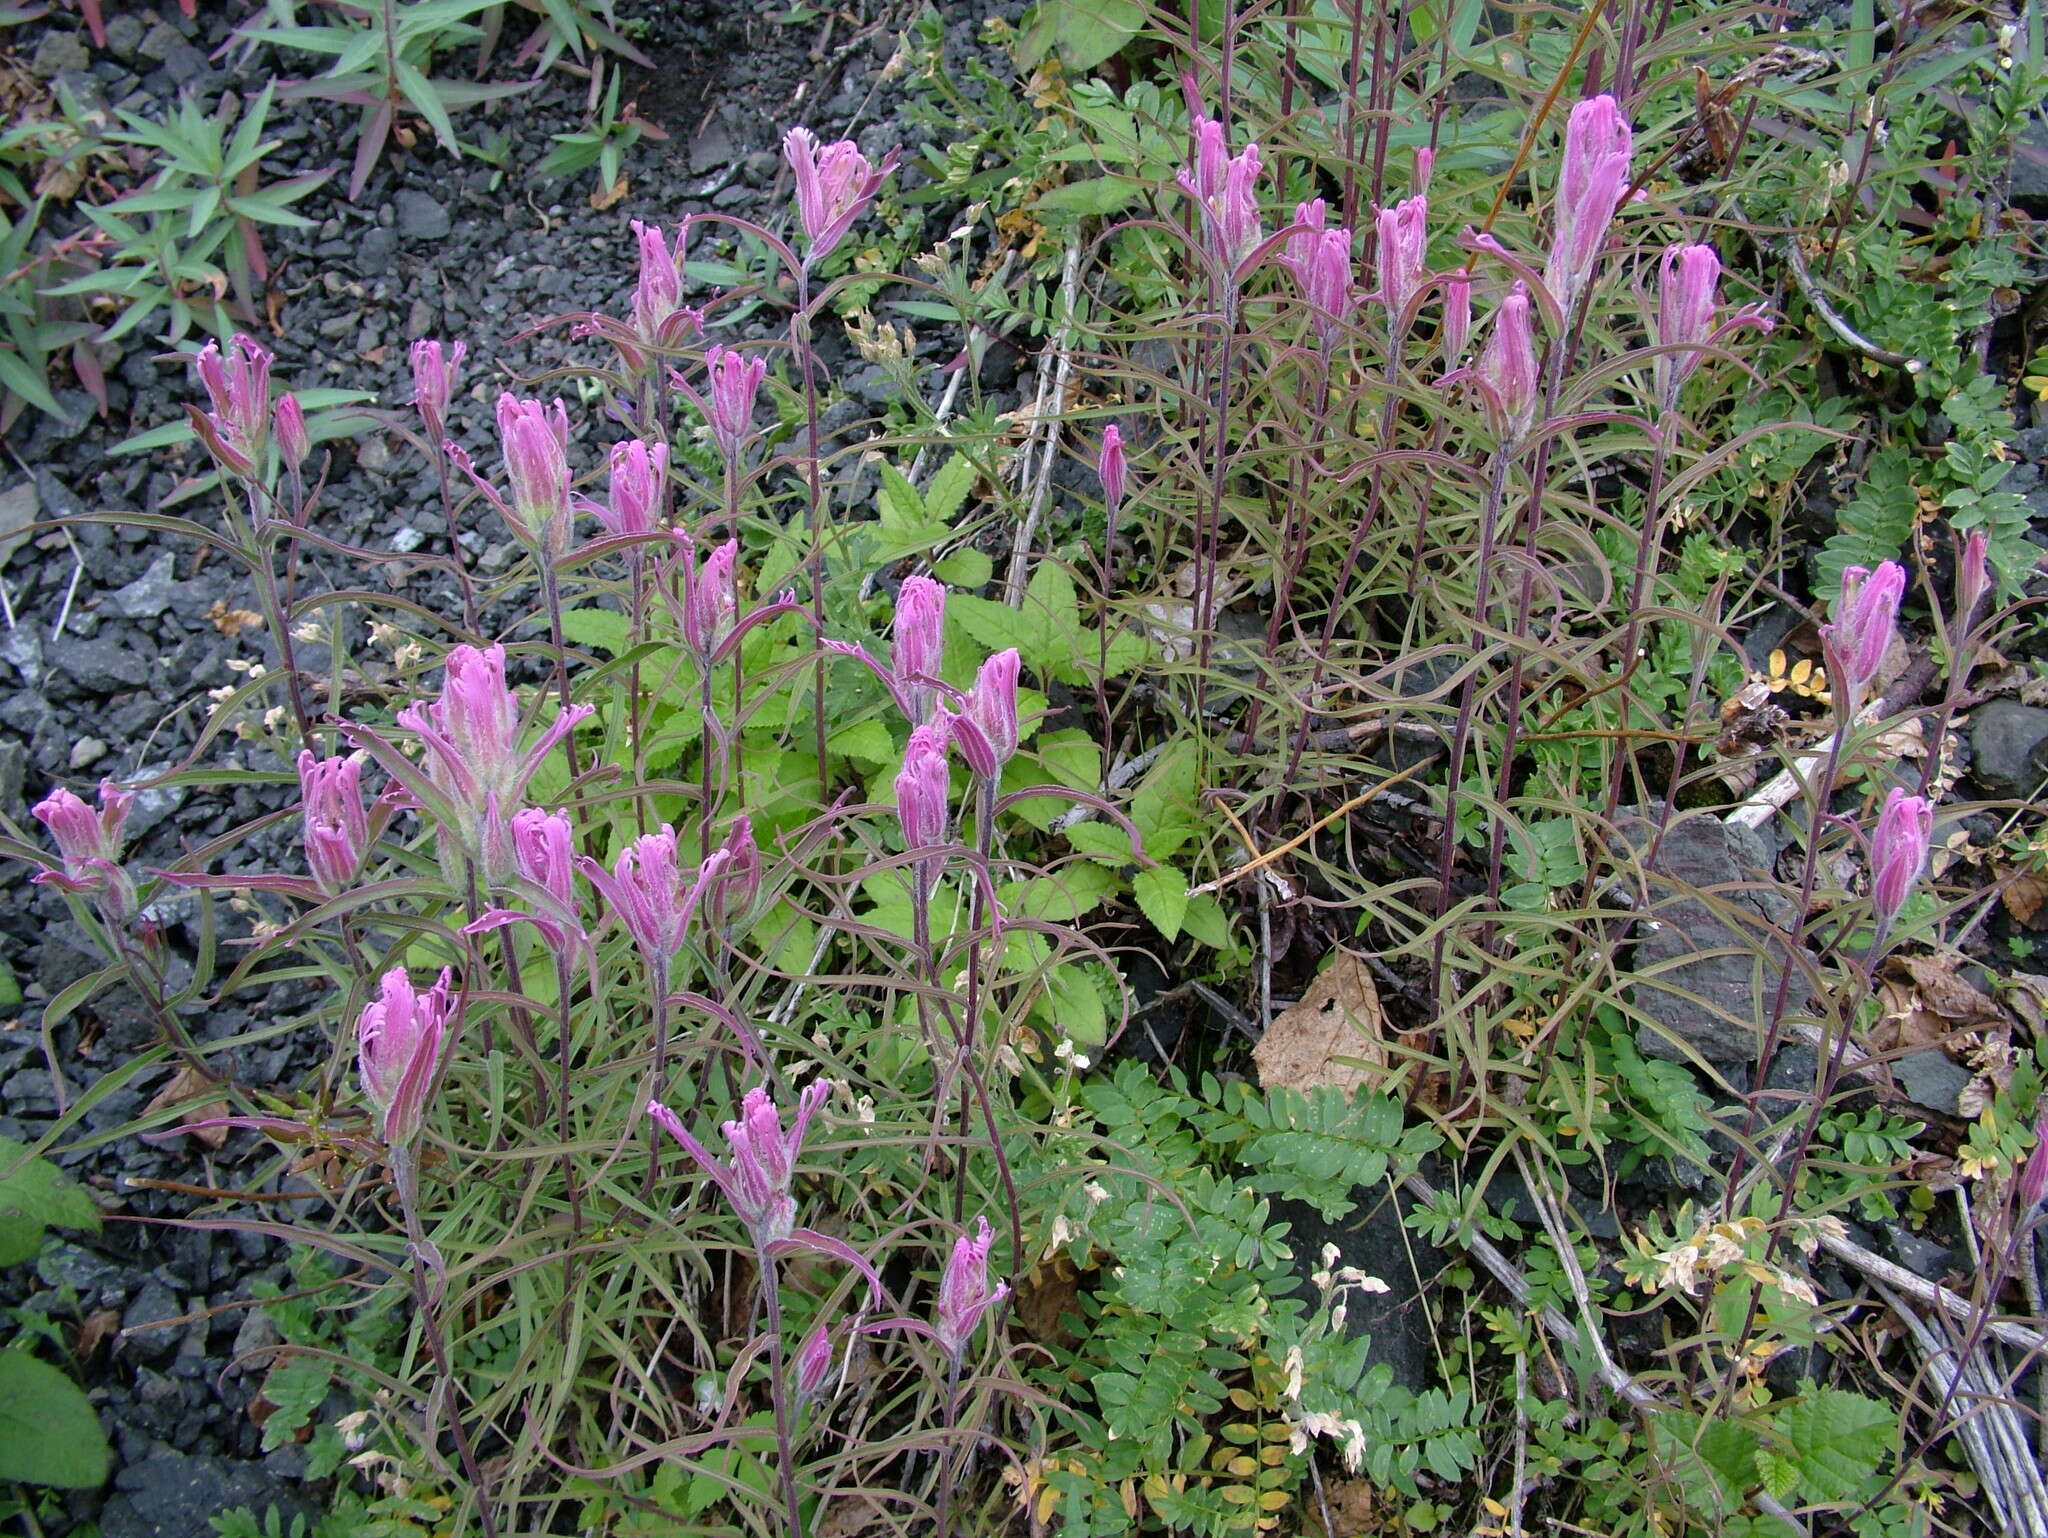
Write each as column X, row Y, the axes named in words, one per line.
column 433, row 247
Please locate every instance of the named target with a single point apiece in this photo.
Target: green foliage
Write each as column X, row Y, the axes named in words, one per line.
column 49, row 1434
column 36, row 1195
column 603, row 143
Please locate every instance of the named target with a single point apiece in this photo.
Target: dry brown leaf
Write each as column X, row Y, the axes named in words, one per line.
column 1351, row 1504
column 2027, row 997
column 97, row 1327
column 1944, row 991
column 188, row 1084
column 1905, row 1024
column 1335, row 1035
column 232, row 622
column 1903, row 741
column 2023, row 895
column 604, row 198
column 1045, row 1297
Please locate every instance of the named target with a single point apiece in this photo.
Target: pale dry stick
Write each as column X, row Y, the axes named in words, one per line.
column 1266, row 857
column 1787, row 785
column 785, row 1007
column 1841, row 328
column 1954, row 1304
column 944, row 413
column 1125, row 771
column 1617, row 1379
column 1515, row 1492
column 1047, row 423
column 1988, row 1429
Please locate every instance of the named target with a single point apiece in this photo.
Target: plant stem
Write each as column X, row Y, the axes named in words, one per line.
column 660, row 970
column 406, row 1178
column 778, row 1395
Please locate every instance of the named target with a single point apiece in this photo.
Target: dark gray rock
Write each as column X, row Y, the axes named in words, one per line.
column 421, row 217
column 60, row 50
column 2009, row 744
column 376, row 252
column 151, row 1306
column 93, row 1278
column 124, row 37
column 151, row 593
column 1708, row 973
column 1374, row 1240
column 2030, row 165
column 103, row 664
column 172, row 1495
column 1932, row 1079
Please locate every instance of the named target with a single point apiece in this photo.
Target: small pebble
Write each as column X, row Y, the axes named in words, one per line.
column 86, row 752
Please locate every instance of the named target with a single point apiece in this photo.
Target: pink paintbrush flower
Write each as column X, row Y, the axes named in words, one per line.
column 834, row 186
column 1898, row 851
column 964, row 1292
column 1592, row 179
column 398, row 1051
column 734, row 381
column 1403, row 254
column 90, row 842
column 434, row 370
column 639, row 488
column 337, row 834
column 653, row 893
column 237, row 429
column 922, row 803
column 756, row 1179
column 1507, row 364
column 1109, row 465
column 986, row 729
column 918, row 632
column 1865, row 621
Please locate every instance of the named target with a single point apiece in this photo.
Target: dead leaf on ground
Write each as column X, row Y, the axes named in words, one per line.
column 605, row 197
column 97, row 1327
column 1335, row 1034
column 1352, row 1507
column 2026, row 995
column 232, row 622
column 1045, row 1297
column 2023, row 896
column 1945, row 992
column 188, row 1084
column 851, row 1518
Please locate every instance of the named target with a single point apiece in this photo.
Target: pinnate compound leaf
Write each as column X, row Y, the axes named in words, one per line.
column 49, row 1434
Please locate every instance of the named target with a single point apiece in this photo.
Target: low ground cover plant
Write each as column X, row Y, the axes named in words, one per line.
column 783, row 940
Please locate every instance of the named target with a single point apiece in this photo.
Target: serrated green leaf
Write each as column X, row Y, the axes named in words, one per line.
column 34, row 1195
column 948, row 490
column 1204, row 920
column 966, row 569
column 49, row 1434
column 1061, row 896
column 901, row 507
column 601, row 628
column 1102, row 840
column 1780, row 1475
column 1835, row 1439
column 1162, row 894
column 296, row 1388
column 869, row 741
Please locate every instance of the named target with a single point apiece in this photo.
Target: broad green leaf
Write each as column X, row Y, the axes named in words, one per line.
column 902, row 508
column 1205, row 920
column 1836, row 1439
column 1061, row 896
column 1098, row 195
column 34, row 1195
column 49, row 1434
column 1072, row 1006
column 869, row 741
column 1162, row 894
column 964, row 569
column 601, row 628
column 949, row 489
column 1105, row 841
